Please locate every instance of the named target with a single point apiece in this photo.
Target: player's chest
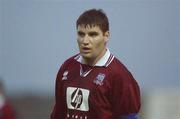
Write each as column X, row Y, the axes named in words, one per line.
column 81, row 90
column 89, row 79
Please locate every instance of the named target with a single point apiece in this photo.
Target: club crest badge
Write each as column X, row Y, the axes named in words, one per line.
column 99, row 79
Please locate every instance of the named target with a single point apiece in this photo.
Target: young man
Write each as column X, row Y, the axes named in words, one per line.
column 94, row 84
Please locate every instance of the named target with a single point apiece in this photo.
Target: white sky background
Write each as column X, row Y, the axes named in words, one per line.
column 38, row 35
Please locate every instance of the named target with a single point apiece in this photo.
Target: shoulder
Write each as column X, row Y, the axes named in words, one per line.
column 120, row 72
column 117, row 66
column 70, row 61
column 68, row 64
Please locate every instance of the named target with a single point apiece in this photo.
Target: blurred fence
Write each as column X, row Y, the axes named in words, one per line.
column 32, row 107
column 157, row 104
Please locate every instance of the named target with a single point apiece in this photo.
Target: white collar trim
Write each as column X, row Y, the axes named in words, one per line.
column 104, row 61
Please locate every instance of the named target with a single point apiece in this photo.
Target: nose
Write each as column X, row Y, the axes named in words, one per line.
column 85, row 40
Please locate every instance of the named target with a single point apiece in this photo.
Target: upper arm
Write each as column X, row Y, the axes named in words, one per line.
column 58, row 110
column 126, row 96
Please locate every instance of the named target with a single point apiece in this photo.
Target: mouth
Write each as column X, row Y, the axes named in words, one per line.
column 85, row 49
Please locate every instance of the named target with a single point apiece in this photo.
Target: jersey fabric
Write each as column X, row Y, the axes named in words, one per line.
column 106, row 90
column 6, row 112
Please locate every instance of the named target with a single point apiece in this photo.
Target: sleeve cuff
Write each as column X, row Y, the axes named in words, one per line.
column 130, row 116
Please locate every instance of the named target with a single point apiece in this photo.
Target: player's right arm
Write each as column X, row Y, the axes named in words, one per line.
column 59, row 107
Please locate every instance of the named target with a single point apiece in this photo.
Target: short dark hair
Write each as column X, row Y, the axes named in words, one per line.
column 94, row 17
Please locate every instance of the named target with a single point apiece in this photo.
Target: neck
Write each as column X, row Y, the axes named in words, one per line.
column 93, row 61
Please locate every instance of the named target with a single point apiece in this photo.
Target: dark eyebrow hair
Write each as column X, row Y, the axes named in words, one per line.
column 80, row 32
column 90, row 33
column 93, row 33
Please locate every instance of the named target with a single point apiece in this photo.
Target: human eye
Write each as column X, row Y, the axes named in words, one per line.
column 93, row 34
column 81, row 34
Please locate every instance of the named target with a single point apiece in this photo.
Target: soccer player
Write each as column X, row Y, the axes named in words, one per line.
column 94, row 84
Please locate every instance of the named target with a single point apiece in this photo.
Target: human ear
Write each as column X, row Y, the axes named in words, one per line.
column 106, row 36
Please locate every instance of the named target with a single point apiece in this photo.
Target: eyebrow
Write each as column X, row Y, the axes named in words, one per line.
column 93, row 33
column 80, row 32
column 89, row 33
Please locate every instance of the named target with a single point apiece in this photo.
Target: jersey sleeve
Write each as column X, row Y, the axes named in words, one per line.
column 8, row 112
column 59, row 107
column 125, row 96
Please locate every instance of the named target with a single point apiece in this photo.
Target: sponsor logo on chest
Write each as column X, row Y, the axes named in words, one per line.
column 77, row 98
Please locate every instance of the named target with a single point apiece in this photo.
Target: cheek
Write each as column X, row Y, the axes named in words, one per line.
column 100, row 44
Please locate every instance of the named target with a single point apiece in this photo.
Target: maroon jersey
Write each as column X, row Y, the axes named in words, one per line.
column 106, row 90
column 6, row 112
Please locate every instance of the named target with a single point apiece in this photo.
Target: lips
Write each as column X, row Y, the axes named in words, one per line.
column 86, row 50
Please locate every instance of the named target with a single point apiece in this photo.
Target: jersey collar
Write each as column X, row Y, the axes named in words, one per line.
column 104, row 61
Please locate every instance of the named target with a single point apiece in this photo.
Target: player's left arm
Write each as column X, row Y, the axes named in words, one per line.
column 126, row 96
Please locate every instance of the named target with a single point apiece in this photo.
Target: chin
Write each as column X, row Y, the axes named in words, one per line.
column 86, row 56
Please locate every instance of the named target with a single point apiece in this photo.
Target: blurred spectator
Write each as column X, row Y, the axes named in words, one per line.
column 6, row 110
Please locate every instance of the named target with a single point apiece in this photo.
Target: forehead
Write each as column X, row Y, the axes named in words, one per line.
column 89, row 28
